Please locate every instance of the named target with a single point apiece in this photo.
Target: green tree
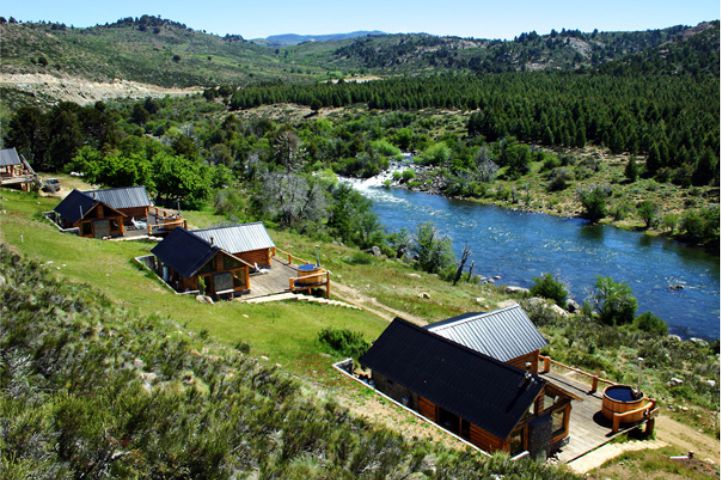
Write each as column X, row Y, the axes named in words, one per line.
column 178, row 179
column 594, row 201
column 706, row 169
column 631, row 170
column 613, row 301
column 648, row 211
column 547, row 286
column 433, row 253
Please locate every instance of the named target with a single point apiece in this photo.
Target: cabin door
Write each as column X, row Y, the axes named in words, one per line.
column 102, row 228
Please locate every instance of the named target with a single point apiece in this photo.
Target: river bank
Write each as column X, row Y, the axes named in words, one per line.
column 531, row 194
column 674, row 281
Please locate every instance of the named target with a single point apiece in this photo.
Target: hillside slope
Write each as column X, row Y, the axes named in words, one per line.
column 162, row 52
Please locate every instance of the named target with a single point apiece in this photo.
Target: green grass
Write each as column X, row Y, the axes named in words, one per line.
column 284, row 332
column 654, row 464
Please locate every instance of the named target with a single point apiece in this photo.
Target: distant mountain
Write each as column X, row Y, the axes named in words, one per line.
column 289, row 39
column 163, row 52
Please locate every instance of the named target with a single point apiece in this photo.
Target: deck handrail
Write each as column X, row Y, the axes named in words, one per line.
column 324, row 279
column 649, row 407
column 595, row 379
column 291, row 256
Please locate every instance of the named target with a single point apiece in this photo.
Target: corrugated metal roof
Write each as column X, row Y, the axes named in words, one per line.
column 125, row 197
column 74, row 206
column 489, row 393
column 237, row 238
column 184, row 252
column 9, row 156
column 502, row 334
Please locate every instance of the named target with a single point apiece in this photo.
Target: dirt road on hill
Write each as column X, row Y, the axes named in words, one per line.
column 83, row 91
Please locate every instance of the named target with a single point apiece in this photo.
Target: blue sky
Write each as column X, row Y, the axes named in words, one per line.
column 480, row 18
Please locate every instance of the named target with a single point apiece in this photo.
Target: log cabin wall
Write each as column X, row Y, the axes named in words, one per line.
column 136, row 213
column 520, row 362
column 486, row 440
column 396, row 391
column 261, row 257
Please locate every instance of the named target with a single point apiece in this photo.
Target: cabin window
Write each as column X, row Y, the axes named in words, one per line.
column 516, row 444
column 558, row 421
column 230, row 263
column 86, row 228
column 239, row 281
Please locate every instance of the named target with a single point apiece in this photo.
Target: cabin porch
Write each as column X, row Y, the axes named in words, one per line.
column 588, row 427
column 285, row 276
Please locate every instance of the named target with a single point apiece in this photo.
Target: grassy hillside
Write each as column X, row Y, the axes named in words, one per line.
column 92, row 390
column 163, row 52
column 166, row 54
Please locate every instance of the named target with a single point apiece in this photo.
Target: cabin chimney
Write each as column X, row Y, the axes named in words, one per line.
column 527, row 376
column 212, row 240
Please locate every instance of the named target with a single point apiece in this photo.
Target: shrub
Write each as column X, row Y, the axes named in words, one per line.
column 648, row 322
column 648, row 211
column 433, row 253
column 593, row 201
column 343, row 341
column 547, row 286
column 358, row 258
column 613, row 301
column 559, row 178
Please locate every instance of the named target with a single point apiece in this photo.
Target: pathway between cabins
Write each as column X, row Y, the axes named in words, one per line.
column 370, row 304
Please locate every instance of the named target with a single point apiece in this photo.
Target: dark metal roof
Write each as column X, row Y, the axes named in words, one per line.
column 184, row 252
column 489, row 393
column 75, row 206
column 125, row 197
column 502, row 334
column 9, row 156
column 237, row 238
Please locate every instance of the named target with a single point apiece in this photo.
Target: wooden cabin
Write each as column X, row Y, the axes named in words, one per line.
column 15, row 171
column 507, row 335
column 248, row 241
column 489, row 403
column 188, row 263
column 115, row 212
column 92, row 218
column 132, row 202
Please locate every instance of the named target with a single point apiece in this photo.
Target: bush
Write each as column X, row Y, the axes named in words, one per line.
column 593, row 201
column 648, row 211
column 433, row 253
column 547, row 286
column 648, row 322
column 613, row 301
column 358, row 258
column 558, row 180
column 345, row 342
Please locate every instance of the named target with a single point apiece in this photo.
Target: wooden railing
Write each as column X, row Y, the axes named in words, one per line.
column 291, row 257
column 595, row 379
column 649, row 411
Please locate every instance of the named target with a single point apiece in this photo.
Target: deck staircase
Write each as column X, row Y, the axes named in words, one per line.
column 298, row 297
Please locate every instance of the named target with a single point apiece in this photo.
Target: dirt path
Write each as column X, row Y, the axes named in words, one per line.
column 687, row 438
column 83, row 91
column 369, row 304
column 610, row 451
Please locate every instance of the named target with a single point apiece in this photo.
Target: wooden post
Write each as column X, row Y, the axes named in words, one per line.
column 546, row 364
column 650, row 424
column 290, row 259
column 616, row 422
column 327, row 285
column 291, row 284
column 594, row 384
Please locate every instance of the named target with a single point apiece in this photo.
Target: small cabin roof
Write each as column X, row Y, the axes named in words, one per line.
column 9, row 156
column 75, row 206
column 123, row 197
column 239, row 238
column 479, row 388
column 185, row 252
column 503, row 334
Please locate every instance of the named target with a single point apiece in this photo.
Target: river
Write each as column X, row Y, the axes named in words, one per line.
column 520, row 245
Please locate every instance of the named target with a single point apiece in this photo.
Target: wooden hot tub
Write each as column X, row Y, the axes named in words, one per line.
column 307, row 270
column 621, row 399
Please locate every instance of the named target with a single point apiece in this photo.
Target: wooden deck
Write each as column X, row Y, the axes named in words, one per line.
column 273, row 282
column 589, row 428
